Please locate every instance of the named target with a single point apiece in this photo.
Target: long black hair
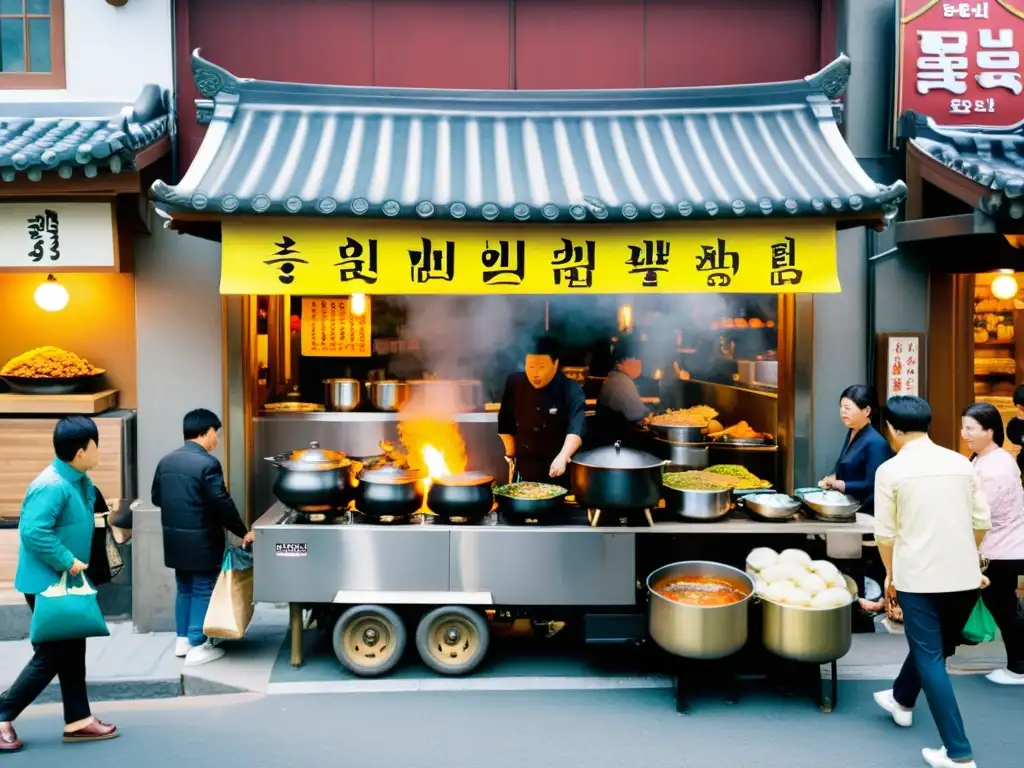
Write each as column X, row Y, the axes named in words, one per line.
column 988, row 418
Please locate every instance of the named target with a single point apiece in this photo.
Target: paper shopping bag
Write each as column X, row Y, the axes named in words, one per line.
column 231, row 605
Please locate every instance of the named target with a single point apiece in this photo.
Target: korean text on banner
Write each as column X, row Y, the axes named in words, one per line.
column 312, row 258
column 959, row 62
column 331, row 329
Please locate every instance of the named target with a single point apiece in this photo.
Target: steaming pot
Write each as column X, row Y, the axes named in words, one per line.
column 313, row 480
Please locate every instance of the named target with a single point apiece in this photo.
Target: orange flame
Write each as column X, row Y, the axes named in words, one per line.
column 435, row 446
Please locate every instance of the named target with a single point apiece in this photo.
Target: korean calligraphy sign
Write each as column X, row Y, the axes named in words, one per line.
column 337, row 258
column 959, row 62
column 329, row 329
column 902, row 358
column 56, row 237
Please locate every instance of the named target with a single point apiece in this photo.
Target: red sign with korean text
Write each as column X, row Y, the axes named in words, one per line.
column 959, row 62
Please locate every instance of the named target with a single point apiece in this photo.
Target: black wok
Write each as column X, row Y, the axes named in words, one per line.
column 388, row 491
column 468, row 495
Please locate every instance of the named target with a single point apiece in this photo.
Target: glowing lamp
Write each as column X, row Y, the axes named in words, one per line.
column 51, row 296
column 358, row 305
column 1004, row 287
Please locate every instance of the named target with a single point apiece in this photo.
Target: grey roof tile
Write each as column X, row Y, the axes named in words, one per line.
column 93, row 137
column 991, row 157
column 614, row 155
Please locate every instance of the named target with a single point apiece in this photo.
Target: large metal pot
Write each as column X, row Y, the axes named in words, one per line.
column 313, row 480
column 693, row 631
column 615, row 477
column 458, row 396
column 389, row 491
column 677, row 434
column 811, row 635
column 389, row 395
column 465, row 496
column 342, row 394
column 683, row 455
column 698, row 505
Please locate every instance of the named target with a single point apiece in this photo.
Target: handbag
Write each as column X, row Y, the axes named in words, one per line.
column 980, row 626
column 105, row 560
column 67, row 613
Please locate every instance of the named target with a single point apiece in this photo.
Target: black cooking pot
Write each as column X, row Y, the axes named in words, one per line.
column 468, row 495
column 615, row 477
column 313, row 480
column 388, row 491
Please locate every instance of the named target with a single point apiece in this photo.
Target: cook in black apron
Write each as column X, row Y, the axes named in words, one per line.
column 619, row 409
column 542, row 417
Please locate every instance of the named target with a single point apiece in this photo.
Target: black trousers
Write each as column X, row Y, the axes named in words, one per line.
column 1001, row 600
column 64, row 660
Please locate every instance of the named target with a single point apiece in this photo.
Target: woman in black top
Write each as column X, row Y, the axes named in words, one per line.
column 863, row 452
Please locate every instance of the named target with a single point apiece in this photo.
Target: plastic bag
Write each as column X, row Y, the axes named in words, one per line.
column 65, row 612
column 980, row 627
column 231, row 606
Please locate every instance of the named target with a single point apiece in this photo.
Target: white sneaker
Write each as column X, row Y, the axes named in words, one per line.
column 203, row 654
column 181, row 647
column 902, row 716
column 1005, row 677
column 937, row 758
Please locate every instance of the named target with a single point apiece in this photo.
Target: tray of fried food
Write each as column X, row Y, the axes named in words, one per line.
column 741, row 433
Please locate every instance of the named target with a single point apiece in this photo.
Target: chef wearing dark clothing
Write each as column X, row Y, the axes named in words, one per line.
column 542, row 416
column 619, row 407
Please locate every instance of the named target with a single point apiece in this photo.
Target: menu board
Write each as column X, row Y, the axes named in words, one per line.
column 329, row 329
column 903, row 366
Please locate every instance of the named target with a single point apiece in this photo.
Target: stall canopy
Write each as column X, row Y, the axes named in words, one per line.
column 738, row 188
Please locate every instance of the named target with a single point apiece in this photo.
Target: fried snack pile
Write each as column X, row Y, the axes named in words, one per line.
column 696, row 416
column 48, row 363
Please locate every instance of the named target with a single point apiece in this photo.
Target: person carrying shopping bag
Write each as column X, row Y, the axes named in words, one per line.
column 56, row 531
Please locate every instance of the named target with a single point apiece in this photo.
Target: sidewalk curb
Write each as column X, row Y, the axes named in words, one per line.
column 119, row 690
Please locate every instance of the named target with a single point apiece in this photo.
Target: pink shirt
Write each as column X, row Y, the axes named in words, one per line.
column 1000, row 480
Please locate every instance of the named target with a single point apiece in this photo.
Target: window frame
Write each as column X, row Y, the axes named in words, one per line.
column 56, row 78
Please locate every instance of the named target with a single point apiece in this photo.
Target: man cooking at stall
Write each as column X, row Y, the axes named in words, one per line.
column 619, row 408
column 542, row 416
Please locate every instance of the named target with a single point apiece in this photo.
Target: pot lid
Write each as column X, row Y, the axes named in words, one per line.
column 390, row 474
column 617, row 456
column 465, row 478
column 315, row 457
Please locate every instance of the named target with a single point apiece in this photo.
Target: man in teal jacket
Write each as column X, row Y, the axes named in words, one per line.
column 56, row 529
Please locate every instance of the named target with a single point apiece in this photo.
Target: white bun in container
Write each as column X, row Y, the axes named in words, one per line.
column 761, row 558
column 760, row 585
column 825, row 569
column 783, row 572
column 831, row 598
column 795, row 556
column 778, row 592
column 838, row 581
column 798, row 597
column 812, row 584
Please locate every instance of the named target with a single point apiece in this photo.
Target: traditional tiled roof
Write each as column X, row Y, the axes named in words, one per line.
column 616, row 155
column 61, row 137
column 991, row 157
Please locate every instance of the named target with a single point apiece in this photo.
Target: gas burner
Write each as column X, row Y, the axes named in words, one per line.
column 840, row 520
column 457, row 520
column 359, row 517
column 620, row 517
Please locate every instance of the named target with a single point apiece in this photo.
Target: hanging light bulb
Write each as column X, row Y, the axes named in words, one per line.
column 626, row 318
column 51, row 296
column 358, row 305
column 1005, row 286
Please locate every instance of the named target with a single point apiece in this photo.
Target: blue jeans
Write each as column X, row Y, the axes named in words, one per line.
column 194, row 591
column 933, row 623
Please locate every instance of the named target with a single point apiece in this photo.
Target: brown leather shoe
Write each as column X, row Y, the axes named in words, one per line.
column 95, row 731
column 9, row 741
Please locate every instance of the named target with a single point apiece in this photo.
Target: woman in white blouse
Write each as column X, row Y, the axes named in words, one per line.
column 982, row 430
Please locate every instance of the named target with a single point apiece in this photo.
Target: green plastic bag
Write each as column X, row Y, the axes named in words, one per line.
column 980, row 627
column 65, row 612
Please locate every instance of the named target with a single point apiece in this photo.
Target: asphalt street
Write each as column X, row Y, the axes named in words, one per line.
column 506, row 730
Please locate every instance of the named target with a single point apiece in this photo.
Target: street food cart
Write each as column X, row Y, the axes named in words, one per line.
column 335, row 205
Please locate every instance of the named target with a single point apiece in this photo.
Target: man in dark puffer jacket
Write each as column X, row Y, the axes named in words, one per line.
column 195, row 509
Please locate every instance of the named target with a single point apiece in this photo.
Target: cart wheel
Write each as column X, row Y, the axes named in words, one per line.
column 452, row 640
column 369, row 640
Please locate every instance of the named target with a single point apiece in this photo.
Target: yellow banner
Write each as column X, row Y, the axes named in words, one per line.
column 327, row 258
column 331, row 329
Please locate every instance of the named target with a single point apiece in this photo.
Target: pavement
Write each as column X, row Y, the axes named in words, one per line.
column 567, row 729
column 129, row 665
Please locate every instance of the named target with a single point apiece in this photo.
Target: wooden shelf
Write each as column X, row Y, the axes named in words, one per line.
column 995, row 343
column 58, row 405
